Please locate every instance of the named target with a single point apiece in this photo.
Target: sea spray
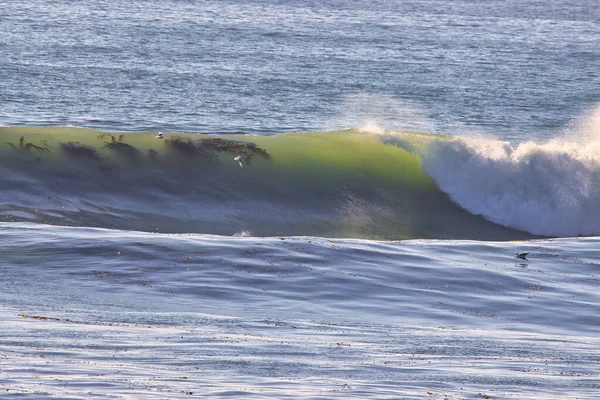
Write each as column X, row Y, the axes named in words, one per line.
column 550, row 188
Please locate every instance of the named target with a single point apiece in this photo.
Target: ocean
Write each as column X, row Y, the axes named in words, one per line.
column 300, row 199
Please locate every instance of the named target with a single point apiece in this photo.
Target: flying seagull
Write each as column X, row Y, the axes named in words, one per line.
column 240, row 159
column 522, row 256
column 159, row 136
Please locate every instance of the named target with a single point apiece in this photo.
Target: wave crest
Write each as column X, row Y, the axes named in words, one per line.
column 550, row 189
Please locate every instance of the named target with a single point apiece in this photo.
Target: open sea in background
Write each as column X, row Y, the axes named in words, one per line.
column 395, row 156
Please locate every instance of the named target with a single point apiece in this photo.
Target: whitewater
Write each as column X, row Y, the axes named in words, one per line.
column 550, row 188
column 299, row 199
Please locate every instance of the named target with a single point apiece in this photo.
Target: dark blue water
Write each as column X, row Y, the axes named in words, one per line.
column 107, row 313
column 515, row 69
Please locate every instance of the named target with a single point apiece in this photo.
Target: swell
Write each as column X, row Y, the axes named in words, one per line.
column 336, row 184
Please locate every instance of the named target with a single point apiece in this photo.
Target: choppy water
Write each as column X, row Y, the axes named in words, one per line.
column 395, row 157
column 142, row 315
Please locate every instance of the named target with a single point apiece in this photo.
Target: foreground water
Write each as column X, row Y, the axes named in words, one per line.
column 141, row 315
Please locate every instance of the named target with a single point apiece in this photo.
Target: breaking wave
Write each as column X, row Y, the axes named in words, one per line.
column 351, row 183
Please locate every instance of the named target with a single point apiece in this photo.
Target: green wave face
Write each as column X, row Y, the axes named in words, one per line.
column 338, row 184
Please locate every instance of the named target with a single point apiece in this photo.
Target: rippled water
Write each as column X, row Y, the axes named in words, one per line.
column 516, row 69
column 148, row 315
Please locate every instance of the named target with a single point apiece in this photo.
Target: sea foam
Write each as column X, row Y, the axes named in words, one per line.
column 550, row 188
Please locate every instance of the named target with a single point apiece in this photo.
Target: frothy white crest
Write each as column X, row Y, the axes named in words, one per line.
column 372, row 127
column 374, row 113
column 550, row 189
column 242, row 234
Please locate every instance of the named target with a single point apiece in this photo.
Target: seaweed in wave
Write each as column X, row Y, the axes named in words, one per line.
column 27, row 147
column 209, row 148
column 80, row 151
column 120, row 147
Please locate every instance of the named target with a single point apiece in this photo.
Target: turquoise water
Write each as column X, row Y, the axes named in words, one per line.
column 396, row 156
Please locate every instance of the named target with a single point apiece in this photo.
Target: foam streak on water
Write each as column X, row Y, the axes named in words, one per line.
column 117, row 313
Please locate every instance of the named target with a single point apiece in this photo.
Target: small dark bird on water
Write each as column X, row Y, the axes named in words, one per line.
column 522, row 256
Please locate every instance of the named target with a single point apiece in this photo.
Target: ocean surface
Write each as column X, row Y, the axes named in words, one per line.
column 300, row 199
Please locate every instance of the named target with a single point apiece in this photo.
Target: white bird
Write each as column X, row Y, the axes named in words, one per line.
column 240, row 159
column 159, row 136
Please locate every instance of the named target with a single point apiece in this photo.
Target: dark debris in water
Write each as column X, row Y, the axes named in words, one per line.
column 152, row 155
column 210, row 148
column 189, row 148
column 80, row 151
column 120, row 147
column 522, row 256
column 27, row 147
column 45, row 318
column 104, row 135
column 54, row 319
